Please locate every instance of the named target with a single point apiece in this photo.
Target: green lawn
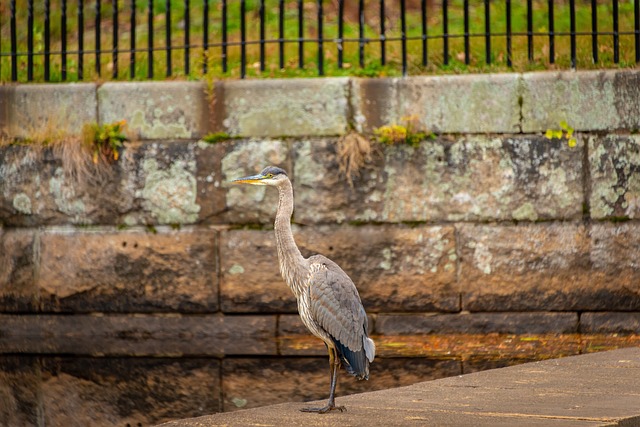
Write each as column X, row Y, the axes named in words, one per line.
column 372, row 66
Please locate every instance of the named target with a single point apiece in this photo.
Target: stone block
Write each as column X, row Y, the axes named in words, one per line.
column 294, row 339
column 614, row 165
column 252, row 204
column 123, row 271
column 485, row 346
column 477, row 323
column 474, row 178
column 151, row 183
column 250, row 383
column 164, row 178
column 138, row 335
column 530, row 267
column 290, row 324
column 18, row 290
column 626, row 84
column 44, row 186
column 167, row 184
column 289, row 107
column 610, row 323
column 127, row 391
column 558, row 267
column 375, row 103
column 211, row 192
column 250, row 278
column 394, row 267
column 485, row 103
column 615, row 260
column 20, row 391
column 375, row 257
column 551, row 97
column 33, row 110
column 157, row 110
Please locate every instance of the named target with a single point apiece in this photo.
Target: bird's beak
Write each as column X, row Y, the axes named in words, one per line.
column 253, row 180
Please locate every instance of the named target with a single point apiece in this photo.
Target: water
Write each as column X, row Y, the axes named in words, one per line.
column 101, row 390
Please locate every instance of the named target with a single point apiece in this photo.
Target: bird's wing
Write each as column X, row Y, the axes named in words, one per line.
column 335, row 303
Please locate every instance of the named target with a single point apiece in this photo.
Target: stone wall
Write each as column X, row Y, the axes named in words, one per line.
column 152, row 291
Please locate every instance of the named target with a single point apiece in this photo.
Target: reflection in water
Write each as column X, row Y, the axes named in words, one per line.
column 66, row 390
column 116, row 391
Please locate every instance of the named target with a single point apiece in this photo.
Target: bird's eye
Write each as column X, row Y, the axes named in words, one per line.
column 269, row 175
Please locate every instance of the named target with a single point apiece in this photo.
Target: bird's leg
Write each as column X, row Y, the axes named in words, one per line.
column 334, row 364
column 334, row 381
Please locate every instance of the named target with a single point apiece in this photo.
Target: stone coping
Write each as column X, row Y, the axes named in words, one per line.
column 481, row 103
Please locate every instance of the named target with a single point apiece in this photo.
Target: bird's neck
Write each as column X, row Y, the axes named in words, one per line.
column 291, row 260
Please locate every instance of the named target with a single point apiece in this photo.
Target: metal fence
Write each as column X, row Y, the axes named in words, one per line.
column 61, row 40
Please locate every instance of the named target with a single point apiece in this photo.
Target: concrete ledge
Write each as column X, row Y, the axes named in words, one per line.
column 591, row 390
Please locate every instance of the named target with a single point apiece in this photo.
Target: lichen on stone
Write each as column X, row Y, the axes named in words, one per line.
column 385, row 264
column 482, row 257
column 247, row 159
column 158, row 126
column 525, row 212
column 22, row 203
column 170, row 194
column 64, row 196
column 614, row 167
column 236, row 269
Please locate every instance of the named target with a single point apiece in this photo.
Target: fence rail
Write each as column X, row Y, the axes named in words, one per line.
column 60, row 40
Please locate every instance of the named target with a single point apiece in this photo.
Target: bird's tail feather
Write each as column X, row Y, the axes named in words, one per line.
column 355, row 362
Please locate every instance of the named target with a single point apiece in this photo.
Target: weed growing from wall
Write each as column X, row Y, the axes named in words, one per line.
column 565, row 131
column 104, row 140
column 353, row 150
column 215, row 137
column 402, row 133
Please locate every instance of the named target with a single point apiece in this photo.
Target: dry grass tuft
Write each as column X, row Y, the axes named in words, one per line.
column 77, row 154
column 38, row 136
column 78, row 164
column 353, row 150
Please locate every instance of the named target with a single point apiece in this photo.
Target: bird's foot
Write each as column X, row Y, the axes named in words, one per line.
column 324, row 409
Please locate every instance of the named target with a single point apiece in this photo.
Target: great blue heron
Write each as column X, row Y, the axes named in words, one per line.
column 328, row 301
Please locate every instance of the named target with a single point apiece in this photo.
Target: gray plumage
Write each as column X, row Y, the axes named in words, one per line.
column 328, row 301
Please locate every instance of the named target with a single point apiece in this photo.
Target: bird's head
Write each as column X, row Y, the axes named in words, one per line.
column 270, row 175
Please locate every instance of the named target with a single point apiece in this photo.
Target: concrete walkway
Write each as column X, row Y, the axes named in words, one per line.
column 601, row 389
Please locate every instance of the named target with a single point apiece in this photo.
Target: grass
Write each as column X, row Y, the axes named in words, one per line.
column 371, row 65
